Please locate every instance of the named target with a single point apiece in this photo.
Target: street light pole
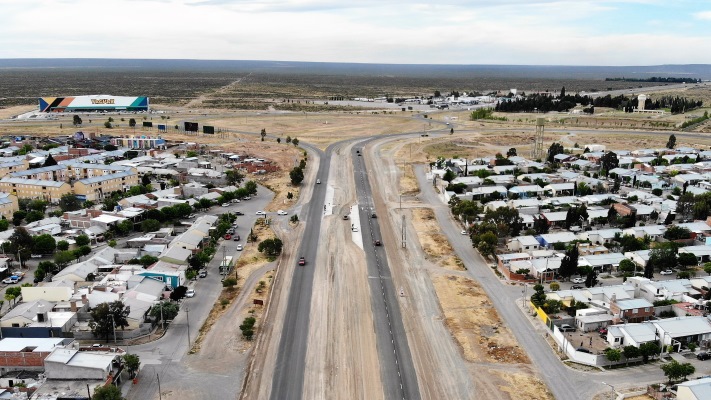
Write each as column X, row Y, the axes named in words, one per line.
column 113, row 323
column 187, row 318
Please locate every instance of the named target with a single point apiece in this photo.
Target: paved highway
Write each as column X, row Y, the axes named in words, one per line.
column 288, row 377
column 397, row 369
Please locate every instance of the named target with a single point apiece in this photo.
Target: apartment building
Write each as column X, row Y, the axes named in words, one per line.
column 97, row 187
column 10, row 166
column 34, row 188
column 8, row 205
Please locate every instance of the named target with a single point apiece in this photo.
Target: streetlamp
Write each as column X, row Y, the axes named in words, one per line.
column 113, row 323
column 525, row 290
column 612, row 390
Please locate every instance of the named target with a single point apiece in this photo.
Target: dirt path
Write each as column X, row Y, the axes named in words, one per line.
column 197, row 102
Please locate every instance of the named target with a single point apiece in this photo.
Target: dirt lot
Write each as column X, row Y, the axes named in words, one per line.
column 433, row 242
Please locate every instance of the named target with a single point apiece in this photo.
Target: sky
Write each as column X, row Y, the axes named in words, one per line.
column 519, row 32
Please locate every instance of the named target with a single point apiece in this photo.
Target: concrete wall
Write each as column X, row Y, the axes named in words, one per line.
column 53, row 294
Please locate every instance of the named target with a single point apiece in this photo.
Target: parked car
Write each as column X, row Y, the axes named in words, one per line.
column 318, row 181
column 302, row 261
column 376, row 242
column 10, row 280
column 239, row 247
column 203, row 273
column 373, row 216
column 190, row 293
column 247, row 198
column 236, row 238
column 703, row 356
column 281, row 212
column 578, row 280
column 261, row 213
column 464, row 232
column 228, row 236
column 354, row 229
column 667, row 272
column 235, row 201
column 225, row 204
column 239, row 213
column 602, row 331
column 566, row 328
column 574, row 287
column 346, row 217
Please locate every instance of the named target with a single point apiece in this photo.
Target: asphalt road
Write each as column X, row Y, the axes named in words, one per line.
column 397, row 369
column 164, row 358
column 288, row 377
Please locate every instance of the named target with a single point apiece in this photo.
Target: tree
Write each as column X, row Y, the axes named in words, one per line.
column 132, row 122
column 147, row 260
column 150, row 225
column 109, row 392
column 449, row 175
column 675, row 232
column 110, row 147
column 44, row 244
column 664, row 256
column 296, row 175
column 627, row 266
column 82, row 240
column 247, row 327
column 21, row 242
column 125, row 227
column 263, row 134
column 251, row 187
column 69, row 202
column 43, row 269
column 76, row 120
column 554, row 150
column 569, row 263
column 555, row 286
column 540, row 225
column 133, row 363
column 271, row 247
column 487, row 244
column 707, row 268
column 108, row 125
column 178, row 293
column 591, row 278
column 675, row 370
column 49, row 161
column 106, row 316
column 12, row 293
column 539, row 296
column 295, row 141
column 649, row 349
column 33, row 216
column 168, row 309
column 631, row 352
column 234, row 177
column 4, row 225
column 687, row 260
column 62, row 245
column 671, row 143
column 511, row 152
column 613, row 355
column 63, row 258
column 609, row 161
column 229, row 283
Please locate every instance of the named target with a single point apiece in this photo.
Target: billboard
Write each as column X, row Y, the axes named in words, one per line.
column 102, row 102
column 191, row 126
column 162, row 127
column 210, row 130
column 147, row 124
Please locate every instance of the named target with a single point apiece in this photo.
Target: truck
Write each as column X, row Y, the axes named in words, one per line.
column 226, row 264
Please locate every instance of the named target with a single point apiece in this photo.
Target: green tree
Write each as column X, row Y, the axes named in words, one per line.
column 295, row 141
column 63, row 258
column 538, row 298
column 107, row 315
column 109, row 392
column 44, row 244
column 663, row 256
column 247, row 327
column 12, row 293
column 169, row 310
column 110, row 147
column 707, row 268
column 76, row 120
column 554, row 150
column 82, row 240
column 569, row 263
column 591, row 278
column 21, row 242
column 609, row 161
column 49, row 161
column 631, row 352
column 229, row 283
column 296, row 175
column 62, row 245
column 147, row 260
column 449, row 176
column 33, row 216
column 124, row 227
column 487, row 244
column 627, row 266
column 150, row 225
column 234, row 177
column 671, row 143
column 132, row 122
column 675, row 232
column 675, row 370
column 133, row 363
column 613, row 355
column 687, row 260
column 271, row 247
column 649, row 349
column 554, row 286
column 69, row 202
column 4, row 225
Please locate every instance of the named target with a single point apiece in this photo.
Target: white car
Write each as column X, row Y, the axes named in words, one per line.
column 239, row 247
column 261, row 213
column 190, row 293
column 281, row 212
column 464, row 232
column 667, row 272
column 318, row 181
column 578, row 280
column 225, row 204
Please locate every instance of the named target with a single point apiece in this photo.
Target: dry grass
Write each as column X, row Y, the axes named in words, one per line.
column 522, row 386
column 475, row 324
column 408, row 182
column 433, row 242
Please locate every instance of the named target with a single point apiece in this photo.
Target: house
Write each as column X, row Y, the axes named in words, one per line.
column 696, row 389
column 27, row 354
column 631, row 334
column 557, row 218
column 654, row 232
column 561, row 189
column 601, row 262
column 601, row 236
column 523, row 243
column 639, row 257
column 176, row 255
column 702, row 253
column 526, row 191
column 549, row 239
column 631, row 310
column 65, row 363
column 36, row 319
column 169, row 274
column 683, row 330
column 8, row 205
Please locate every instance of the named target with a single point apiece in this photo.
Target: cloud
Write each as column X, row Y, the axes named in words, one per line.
column 394, row 31
column 703, row 15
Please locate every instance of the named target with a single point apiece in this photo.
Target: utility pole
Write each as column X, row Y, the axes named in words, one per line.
column 113, row 323
column 404, row 235
column 187, row 318
column 160, row 396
